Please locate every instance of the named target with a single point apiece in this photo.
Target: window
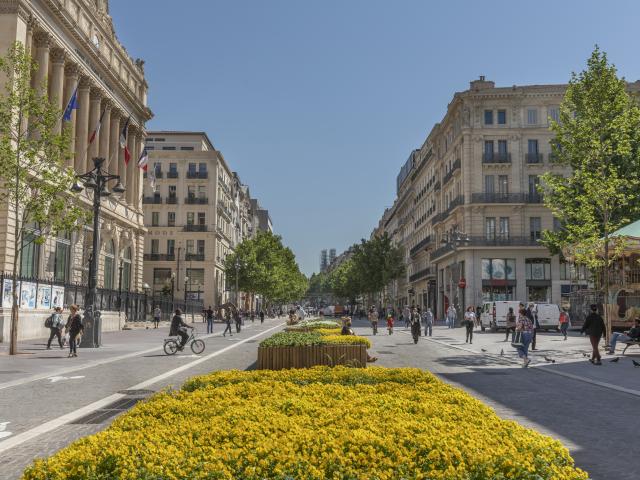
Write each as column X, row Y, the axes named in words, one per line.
column 503, row 230
column 488, row 117
column 200, row 247
column 109, row 260
column 503, row 184
column 190, row 246
column 534, row 181
column 61, row 258
column 498, row 269
column 554, row 114
column 535, row 228
column 192, row 168
column 532, row 116
column 30, row 253
column 172, row 191
column 168, row 148
column 202, row 168
column 173, row 168
column 488, row 149
column 532, row 146
column 489, row 184
column 155, row 245
column 157, row 168
column 202, row 191
column 196, row 276
column 186, row 148
column 190, row 218
column 191, row 191
column 571, row 271
column 538, row 269
column 490, row 228
column 171, row 219
column 126, row 269
column 171, row 246
column 502, row 147
column 502, row 117
column 201, row 218
column 557, row 224
column 155, row 219
column 162, row 277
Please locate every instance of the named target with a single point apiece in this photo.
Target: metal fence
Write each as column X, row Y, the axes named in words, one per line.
column 38, row 293
column 623, row 310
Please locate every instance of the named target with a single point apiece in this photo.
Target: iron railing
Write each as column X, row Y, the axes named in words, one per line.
column 450, row 173
column 496, row 157
column 533, row 157
column 425, row 272
column 171, row 174
column 202, row 175
column 155, row 199
column 420, row 245
column 194, row 257
column 160, row 257
column 196, row 200
column 195, row 228
column 171, row 200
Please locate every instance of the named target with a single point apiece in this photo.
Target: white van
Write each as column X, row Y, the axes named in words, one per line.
column 548, row 316
column 494, row 314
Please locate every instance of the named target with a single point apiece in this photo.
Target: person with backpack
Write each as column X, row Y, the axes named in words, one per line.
column 209, row 313
column 74, row 327
column 55, row 324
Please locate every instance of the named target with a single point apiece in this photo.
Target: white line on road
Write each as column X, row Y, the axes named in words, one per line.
column 60, row 378
column 69, row 417
column 3, row 430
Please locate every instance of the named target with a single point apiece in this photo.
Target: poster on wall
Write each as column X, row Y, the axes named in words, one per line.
column 28, row 295
column 57, row 297
column 44, row 296
column 7, row 293
column 537, row 271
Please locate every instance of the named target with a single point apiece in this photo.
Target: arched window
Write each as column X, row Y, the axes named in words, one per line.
column 109, row 260
column 126, row 269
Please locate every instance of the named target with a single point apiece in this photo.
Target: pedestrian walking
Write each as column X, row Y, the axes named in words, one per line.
column 594, row 327
column 511, row 323
column 427, row 318
column 524, row 325
column 261, row 316
column 564, row 322
column 406, row 315
column 373, row 318
column 74, row 327
column 209, row 313
column 469, row 323
column 157, row 315
column 227, row 319
column 532, row 314
column 238, row 319
column 451, row 316
column 55, row 325
column 390, row 324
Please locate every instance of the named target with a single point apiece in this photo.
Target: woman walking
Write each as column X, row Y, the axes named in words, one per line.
column 511, row 323
column 390, row 323
column 73, row 327
column 564, row 322
column 594, row 327
column 525, row 326
column 469, row 322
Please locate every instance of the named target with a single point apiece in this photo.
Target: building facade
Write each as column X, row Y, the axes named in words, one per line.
column 75, row 46
column 469, row 211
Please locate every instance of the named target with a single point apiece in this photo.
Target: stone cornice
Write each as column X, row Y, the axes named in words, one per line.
column 16, row 7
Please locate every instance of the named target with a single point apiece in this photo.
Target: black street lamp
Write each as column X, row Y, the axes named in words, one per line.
column 96, row 180
column 120, row 286
column 186, row 279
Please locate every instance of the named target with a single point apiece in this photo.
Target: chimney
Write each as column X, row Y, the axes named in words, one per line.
column 481, row 84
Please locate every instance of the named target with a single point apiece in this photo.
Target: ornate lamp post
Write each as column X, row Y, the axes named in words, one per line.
column 456, row 238
column 96, row 180
column 237, row 265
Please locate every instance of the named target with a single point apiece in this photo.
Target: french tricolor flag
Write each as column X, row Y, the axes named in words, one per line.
column 123, row 141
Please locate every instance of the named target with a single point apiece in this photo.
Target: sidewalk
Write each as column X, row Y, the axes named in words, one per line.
column 569, row 356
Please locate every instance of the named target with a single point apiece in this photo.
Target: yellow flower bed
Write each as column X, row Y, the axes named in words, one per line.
column 347, row 340
column 329, row 331
column 319, row 423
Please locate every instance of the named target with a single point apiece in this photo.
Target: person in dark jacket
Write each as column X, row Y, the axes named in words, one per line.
column 532, row 314
column 209, row 314
column 178, row 327
column 73, row 327
column 594, row 327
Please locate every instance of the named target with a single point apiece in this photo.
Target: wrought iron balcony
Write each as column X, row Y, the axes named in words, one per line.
column 195, row 228
column 496, row 157
column 456, row 166
column 497, row 198
column 192, row 200
column 425, row 272
column 201, row 175
column 171, row 200
column 420, row 245
column 534, row 157
column 171, row 174
column 157, row 199
column 194, row 257
column 159, row 257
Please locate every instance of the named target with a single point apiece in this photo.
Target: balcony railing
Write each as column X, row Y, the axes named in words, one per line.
column 493, row 241
column 534, row 198
column 553, row 157
column 425, row 272
column 624, row 278
column 157, row 174
column 420, row 245
column 449, row 175
column 160, row 257
column 202, row 175
column 224, row 210
column 172, row 200
column 194, row 257
column 195, row 228
column 533, row 157
column 155, row 200
column 496, row 157
column 456, row 202
column 171, row 174
column 441, row 251
column 506, row 198
column 436, row 187
column 438, row 218
column 196, row 200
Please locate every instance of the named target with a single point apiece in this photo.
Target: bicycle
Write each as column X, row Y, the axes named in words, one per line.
column 172, row 345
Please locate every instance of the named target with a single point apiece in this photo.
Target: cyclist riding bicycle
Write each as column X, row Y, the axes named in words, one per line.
column 178, row 327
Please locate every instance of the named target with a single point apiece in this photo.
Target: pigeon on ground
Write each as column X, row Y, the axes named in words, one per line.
column 585, row 354
column 615, row 360
column 550, row 360
column 502, row 352
column 635, row 364
column 483, row 349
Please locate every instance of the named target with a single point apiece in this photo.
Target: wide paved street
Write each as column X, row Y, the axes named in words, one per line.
column 47, row 400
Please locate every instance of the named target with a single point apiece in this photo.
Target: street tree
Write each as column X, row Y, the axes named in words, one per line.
column 598, row 136
column 35, row 181
column 345, row 282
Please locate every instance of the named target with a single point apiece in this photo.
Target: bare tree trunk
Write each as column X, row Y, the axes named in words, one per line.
column 607, row 319
column 13, row 341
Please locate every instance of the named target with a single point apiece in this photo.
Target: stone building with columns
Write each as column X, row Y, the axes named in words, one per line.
column 75, row 46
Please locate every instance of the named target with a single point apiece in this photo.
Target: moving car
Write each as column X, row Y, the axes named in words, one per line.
column 494, row 314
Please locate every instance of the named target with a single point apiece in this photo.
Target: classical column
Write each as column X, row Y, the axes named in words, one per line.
column 57, row 83
column 82, row 125
column 31, row 26
column 71, row 73
column 114, row 143
column 139, row 176
column 105, row 133
column 122, row 169
column 94, row 118
column 131, row 168
column 42, row 42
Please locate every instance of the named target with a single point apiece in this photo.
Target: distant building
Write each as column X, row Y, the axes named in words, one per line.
column 261, row 217
column 332, row 256
column 324, row 261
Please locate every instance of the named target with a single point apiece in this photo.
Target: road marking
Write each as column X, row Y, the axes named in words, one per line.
column 3, row 430
column 69, row 417
column 60, row 378
column 97, row 363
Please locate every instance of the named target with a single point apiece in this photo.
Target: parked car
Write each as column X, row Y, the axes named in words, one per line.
column 548, row 316
column 494, row 314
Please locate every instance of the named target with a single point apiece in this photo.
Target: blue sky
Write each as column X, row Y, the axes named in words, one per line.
column 316, row 104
